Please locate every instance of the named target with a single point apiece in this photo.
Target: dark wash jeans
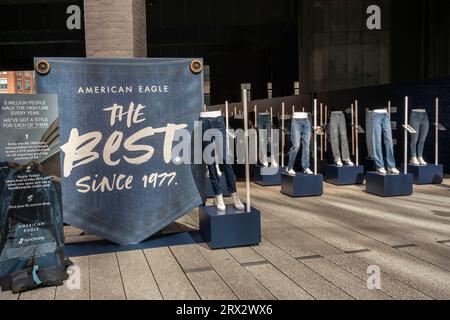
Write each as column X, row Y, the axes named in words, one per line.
column 218, row 125
column 419, row 121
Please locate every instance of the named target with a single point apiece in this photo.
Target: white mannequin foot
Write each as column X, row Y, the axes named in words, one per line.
column 394, row 171
column 339, row 164
column 382, row 171
column 291, row 172
column 308, row 172
column 237, row 202
column 422, row 161
column 220, row 204
column 274, row 163
column 265, row 164
column 349, row 163
column 415, row 161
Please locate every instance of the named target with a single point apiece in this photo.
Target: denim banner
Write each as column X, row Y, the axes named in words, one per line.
column 118, row 120
column 31, row 227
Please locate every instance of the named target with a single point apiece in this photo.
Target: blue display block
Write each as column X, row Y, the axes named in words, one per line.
column 223, row 186
column 231, row 228
column 429, row 174
column 389, row 185
column 268, row 180
column 344, row 175
column 369, row 165
column 302, row 186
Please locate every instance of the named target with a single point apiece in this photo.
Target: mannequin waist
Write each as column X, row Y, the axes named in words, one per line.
column 380, row 111
column 300, row 115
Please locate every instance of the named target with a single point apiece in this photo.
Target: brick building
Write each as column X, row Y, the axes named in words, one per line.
column 17, row 82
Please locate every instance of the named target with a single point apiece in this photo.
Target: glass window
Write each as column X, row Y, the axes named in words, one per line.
column 3, row 84
column 19, row 84
column 19, row 73
column 27, row 84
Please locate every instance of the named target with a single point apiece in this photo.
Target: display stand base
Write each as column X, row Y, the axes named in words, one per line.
column 4, row 284
column 429, row 174
column 229, row 229
column 322, row 166
column 344, row 175
column 302, row 186
column 223, row 186
column 268, row 180
column 369, row 165
column 389, row 185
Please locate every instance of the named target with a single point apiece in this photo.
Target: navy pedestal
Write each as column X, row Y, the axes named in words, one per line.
column 389, row 185
column 302, row 185
column 321, row 166
column 369, row 165
column 223, row 186
column 344, row 175
column 229, row 229
column 268, row 180
column 429, row 174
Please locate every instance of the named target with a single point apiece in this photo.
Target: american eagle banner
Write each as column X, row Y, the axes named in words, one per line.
column 119, row 122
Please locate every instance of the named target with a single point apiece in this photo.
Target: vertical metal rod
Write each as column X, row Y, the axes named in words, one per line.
column 315, row 136
column 227, row 125
column 283, row 136
column 436, row 156
column 389, row 107
column 293, row 110
column 353, row 130
column 326, row 125
column 321, row 137
column 246, row 147
column 356, row 130
column 405, row 169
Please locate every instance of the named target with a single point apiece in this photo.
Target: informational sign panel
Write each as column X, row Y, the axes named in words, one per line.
column 119, row 119
column 30, row 201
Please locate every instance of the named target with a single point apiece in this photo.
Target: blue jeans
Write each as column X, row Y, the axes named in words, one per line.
column 227, row 169
column 369, row 136
column 300, row 134
column 264, row 123
column 381, row 125
column 338, row 128
column 420, row 123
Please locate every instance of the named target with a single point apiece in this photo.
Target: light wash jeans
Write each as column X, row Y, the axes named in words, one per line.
column 301, row 136
column 420, row 123
column 381, row 126
column 338, row 132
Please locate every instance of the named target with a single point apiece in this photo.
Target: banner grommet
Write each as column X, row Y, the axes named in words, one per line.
column 43, row 67
column 196, row 66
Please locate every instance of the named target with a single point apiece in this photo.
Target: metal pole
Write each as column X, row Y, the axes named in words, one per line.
column 293, row 110
column 315, row 136
column 321, row 137
column 246, row 146
column 326, row 125
column 389, row 106
column 406, row 137
column 283, row 136
column 436, row 159
column 227, row 124
column 353, row 130
column 356, row 131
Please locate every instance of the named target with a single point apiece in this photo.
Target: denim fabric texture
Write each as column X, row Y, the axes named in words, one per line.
column 369, row 136
column 419, row 121
column 264, row 123
column 338, row 137
column 382, row 130
column 301, row 133
column 226, row 168
column 127, row 216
